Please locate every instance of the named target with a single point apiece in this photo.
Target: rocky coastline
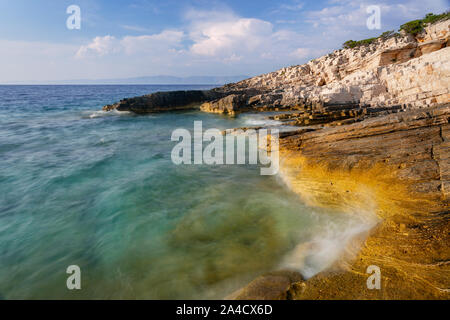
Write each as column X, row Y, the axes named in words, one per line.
column 375, row 131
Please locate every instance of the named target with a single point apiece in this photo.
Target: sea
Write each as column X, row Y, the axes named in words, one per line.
column 98, row 190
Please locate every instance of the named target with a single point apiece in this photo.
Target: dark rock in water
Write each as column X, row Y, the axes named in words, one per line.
column 228, row 105
column 165, row 101
column 271, row 286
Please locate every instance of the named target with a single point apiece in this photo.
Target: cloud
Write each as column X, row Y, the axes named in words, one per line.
column 166, row 41
column 210, row 42
column 34, row 60
column 134, row 28
column 345, row 14
column 296, row 6
column 288, row 8
column 149, row 44
column 216, row 41
column 99, row 46
column 301, row 53
column 227, row 38
column 208, row 37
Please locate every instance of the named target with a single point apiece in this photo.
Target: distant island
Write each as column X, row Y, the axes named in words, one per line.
column 158, row 79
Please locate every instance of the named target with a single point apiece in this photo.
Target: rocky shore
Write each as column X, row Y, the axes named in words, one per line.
column 375, row 133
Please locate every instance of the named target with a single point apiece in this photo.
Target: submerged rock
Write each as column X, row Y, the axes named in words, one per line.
column 270, row 286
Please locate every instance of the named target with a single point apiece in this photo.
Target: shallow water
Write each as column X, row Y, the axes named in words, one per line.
column 98, row 190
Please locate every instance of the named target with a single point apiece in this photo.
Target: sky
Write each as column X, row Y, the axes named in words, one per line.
column 135, row 38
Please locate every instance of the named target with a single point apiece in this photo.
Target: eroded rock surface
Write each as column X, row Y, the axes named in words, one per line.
column 401, row 71
column 395, row 166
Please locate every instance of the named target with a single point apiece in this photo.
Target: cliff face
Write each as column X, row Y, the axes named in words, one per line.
column 399, row 71
column 402, row 70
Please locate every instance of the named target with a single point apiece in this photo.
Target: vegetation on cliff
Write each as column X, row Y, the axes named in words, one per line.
column 413, row 27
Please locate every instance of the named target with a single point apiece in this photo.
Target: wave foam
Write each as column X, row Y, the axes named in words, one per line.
column 262, row 122
column 326, row 247
column 332, row 239
column 101, row 113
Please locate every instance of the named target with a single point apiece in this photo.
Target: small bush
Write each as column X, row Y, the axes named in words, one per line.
column 349, row 44
column 416, row 26
column 388, row 34
column 432, row 18
column 413, row 27
column 352, row 44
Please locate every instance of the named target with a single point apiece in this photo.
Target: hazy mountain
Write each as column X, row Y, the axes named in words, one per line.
column 161, row 79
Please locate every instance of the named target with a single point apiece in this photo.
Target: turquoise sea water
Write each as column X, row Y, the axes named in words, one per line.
column 83, row 187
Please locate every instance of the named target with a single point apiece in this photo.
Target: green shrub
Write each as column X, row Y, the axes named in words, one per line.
column 413, row 27
column 416, row 26
column 432, row 18
column 352, row 44
column 388, row 34
column 349, row 44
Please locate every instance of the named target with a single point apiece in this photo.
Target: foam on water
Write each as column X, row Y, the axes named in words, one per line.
column 342, row 231
column 328, row 245
column 262, row 122
column 101, row 192
column 101, row 113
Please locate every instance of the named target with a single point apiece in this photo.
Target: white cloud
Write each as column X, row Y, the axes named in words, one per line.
column 129, row 45
column 209, row 37
column 296, row 6
column 345, row 14
column 99, row 46
column 227, row 38
column 231, row 39
column 134, row 28
column 162, row 42
column 301, row 53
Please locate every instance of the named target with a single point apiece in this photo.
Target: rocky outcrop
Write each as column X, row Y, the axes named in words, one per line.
column 396, row 166
column 403, row 70
column 400, row 70
column 165, row 101
column 414, row 144
column 228, row 105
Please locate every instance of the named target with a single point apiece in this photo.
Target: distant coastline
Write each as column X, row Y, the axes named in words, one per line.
column 147, row 80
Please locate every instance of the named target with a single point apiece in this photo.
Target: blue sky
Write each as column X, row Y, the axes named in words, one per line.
column 182, row 38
